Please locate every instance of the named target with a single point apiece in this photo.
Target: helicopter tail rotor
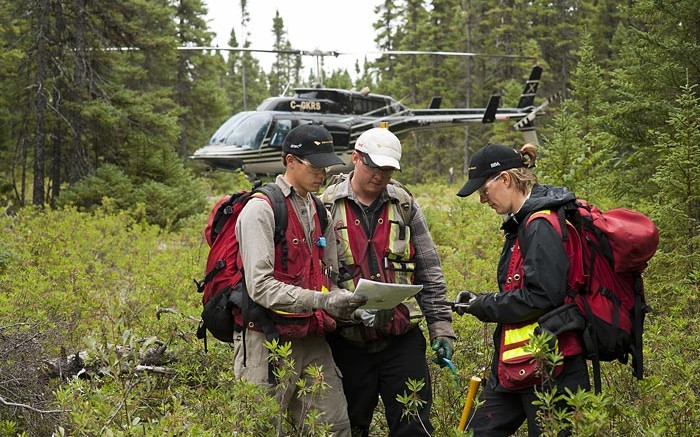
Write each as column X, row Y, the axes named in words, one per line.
column 525, row 124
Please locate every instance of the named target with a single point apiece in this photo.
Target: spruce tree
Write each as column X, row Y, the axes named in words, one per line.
column 280, row 74
column 657, row 53
column 197, row 84
column 677, row 177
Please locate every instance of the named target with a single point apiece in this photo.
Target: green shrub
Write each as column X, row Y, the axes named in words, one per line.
column 164, row 203
column 73, row 281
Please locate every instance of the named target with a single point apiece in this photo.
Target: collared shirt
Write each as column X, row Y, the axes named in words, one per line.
column 428, row 271
column 255, row 231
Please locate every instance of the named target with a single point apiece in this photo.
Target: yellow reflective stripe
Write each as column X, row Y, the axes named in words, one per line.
column 514, row 353
column 398, row 247
column 512, row 336
column 402, row 266
column 340, row 214
column 344, row 237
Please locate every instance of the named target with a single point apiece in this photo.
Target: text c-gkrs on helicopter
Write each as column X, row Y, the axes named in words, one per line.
column 252, row 140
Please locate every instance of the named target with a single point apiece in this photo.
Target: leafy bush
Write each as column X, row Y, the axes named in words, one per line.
column 88, row 281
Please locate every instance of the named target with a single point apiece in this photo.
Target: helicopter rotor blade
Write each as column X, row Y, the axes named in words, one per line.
column 335, row 53
column 446, row 53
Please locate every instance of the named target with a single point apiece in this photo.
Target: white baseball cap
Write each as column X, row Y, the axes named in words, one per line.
column 382, row 147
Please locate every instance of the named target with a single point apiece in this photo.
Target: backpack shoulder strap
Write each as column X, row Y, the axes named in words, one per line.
column 328, row 195
column 556, row 217
column 321, row 212
column 279, row 210
column 553, row 216
column 403, row 197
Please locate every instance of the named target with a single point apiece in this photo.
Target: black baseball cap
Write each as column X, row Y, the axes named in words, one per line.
column 487, row 161
column 312, row 142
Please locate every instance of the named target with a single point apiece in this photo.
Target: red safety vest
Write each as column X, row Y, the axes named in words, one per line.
column 392, row 259
column 516, row 369
column 304, row 268
column 304, row 265
column 385, row 257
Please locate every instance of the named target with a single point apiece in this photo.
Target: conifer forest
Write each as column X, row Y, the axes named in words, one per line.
column 103, row 209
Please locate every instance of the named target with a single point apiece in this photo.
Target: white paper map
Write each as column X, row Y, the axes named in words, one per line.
column 382, row 295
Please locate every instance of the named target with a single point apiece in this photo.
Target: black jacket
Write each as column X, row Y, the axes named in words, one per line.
column 545, row 266
column 545, row 262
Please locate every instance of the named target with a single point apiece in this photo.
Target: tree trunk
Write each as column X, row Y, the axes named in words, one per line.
column 40, row 104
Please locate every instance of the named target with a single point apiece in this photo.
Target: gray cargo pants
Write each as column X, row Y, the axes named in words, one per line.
column 305, row 352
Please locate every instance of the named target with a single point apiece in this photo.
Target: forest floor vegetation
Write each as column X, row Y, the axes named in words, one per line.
column 73, row 281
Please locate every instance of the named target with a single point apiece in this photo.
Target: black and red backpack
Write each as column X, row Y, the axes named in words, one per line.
column 227, row 307
column 605, row 279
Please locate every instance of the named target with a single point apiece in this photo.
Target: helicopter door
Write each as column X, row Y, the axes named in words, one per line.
column 282, row 128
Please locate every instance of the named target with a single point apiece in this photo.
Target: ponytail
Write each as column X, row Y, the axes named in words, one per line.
column 523, row 177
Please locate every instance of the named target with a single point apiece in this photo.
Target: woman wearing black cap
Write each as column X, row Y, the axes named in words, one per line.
column 532, row 280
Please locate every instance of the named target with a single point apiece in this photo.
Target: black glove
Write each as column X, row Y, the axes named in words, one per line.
column 463, row 301
column 468, row 302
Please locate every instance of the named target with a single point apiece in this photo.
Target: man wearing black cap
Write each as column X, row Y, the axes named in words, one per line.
column 532, row 279
column 298, row 283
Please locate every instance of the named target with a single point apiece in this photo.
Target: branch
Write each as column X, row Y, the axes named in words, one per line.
column 155, row 369
column 29, row 407
column 172, row 311
column 150, row 360
column 14, row 325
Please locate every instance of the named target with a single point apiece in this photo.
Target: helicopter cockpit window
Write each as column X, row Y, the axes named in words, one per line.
column 245, row 129
column 282, row 128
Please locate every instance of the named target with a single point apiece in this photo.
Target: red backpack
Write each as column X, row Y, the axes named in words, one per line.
column 227, row 306
column 605, row 279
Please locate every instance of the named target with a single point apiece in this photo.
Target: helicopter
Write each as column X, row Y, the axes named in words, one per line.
column 252, row 140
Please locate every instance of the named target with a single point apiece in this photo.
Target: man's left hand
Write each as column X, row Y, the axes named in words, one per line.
column 374, row 318
column 443, row 349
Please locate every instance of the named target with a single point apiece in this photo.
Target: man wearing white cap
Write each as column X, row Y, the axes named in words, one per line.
column 382, row 235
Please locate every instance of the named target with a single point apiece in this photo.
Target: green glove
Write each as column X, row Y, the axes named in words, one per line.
column 443, row 349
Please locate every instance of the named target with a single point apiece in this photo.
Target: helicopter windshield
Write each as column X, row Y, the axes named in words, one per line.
column 245, row 129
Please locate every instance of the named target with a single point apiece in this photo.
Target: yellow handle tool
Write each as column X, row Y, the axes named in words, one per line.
column 474, row 384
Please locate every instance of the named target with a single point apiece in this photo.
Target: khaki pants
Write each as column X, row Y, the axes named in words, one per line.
column 305, row 352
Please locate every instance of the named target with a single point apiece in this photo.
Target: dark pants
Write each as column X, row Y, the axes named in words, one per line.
column 503, row 412
column 367, row 375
